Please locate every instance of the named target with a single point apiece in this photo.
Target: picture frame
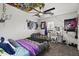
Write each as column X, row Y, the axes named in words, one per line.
column 43, row 25
column 70, row 25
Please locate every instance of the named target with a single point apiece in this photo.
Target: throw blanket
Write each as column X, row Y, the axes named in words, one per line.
column 32, row 44
column 29, row 45
column 20, row 51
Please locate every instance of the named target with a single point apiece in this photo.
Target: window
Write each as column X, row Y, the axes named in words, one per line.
column 50, row 25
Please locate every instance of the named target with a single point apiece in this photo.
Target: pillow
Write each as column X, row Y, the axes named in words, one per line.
column 7, row 48
column 13, row 42
column 6, row 41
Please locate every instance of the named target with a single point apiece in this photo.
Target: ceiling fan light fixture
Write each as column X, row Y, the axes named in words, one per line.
column 40, row 14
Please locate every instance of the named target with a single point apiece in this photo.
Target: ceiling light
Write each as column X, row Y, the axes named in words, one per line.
column 40, row 14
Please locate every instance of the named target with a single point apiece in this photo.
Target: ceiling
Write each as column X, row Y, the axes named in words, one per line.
column 61, row 8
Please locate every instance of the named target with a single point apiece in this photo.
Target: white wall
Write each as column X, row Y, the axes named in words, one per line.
column 16, row 26
column 78, row 29
column 59, row 21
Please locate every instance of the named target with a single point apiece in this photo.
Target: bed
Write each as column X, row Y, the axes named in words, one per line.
column 32, row 48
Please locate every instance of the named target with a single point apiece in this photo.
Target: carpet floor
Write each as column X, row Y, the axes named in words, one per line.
column 57, row 49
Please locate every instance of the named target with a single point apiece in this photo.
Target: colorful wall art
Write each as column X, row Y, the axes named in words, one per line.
column 70, row 24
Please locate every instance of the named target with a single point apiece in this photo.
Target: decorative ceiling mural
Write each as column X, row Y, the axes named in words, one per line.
column 27, row 6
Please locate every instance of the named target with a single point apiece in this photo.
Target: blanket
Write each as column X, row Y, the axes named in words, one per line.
column 29, row 45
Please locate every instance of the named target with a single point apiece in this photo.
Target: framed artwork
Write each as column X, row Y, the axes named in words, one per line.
column 43, row 25
column 70, row 24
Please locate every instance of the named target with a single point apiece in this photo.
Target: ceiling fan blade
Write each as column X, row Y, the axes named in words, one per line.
column 49, row 13
column 49, row 10
column 37, row 15
column 31, row 12
column 36, row 10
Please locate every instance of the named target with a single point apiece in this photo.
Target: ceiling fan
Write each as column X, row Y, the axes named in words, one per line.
column 40, row 13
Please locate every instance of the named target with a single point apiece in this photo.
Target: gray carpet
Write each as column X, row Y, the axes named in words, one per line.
column 57, row 49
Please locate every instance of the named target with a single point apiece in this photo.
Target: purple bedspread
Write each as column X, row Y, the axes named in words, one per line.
column 32, row 44
column 29, row 45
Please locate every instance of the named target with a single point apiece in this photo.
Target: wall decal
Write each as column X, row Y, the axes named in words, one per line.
column 32, row 24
